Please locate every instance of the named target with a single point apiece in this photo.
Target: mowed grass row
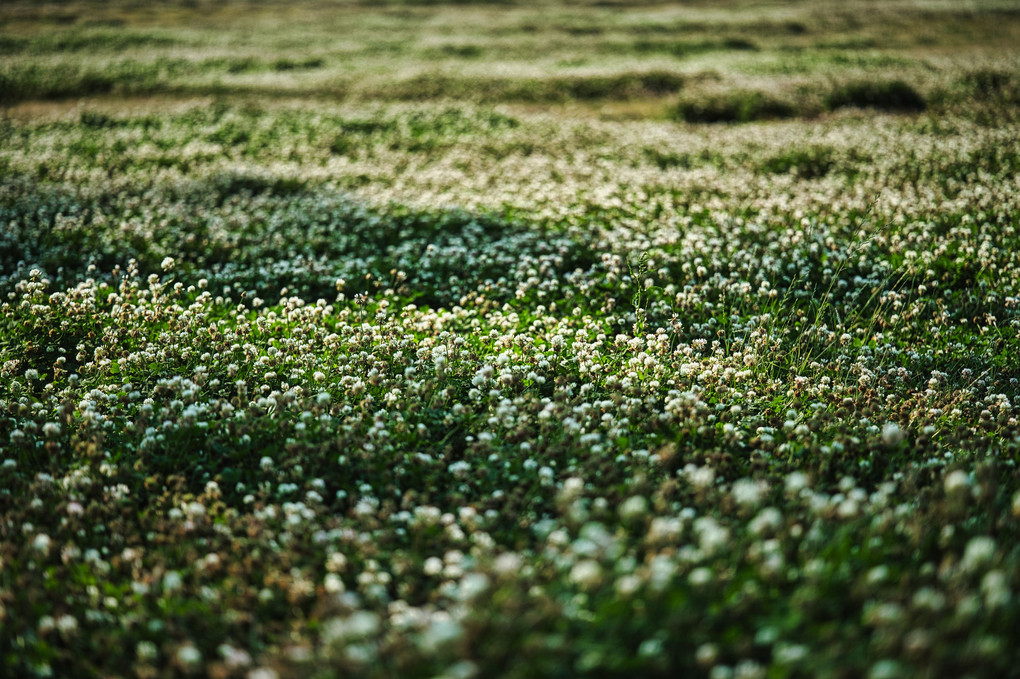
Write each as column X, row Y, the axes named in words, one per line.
column 296, row 387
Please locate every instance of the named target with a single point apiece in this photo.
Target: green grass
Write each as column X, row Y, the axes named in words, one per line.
column 497, row 339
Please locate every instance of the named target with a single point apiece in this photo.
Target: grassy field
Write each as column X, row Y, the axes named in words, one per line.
column 547, row 339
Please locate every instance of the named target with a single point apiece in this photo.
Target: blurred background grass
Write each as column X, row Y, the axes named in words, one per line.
column 729, row 61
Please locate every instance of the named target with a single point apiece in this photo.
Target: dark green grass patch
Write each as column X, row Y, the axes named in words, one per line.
column 689, row 48
column 417, row 132
column 734, row 106
column 884, row 95
column 556, row 89
column 814, row 162
column 87, row 40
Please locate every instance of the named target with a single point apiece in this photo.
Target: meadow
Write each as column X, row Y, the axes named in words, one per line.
column 505, row 339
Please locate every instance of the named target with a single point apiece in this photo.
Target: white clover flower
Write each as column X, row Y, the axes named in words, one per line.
column 167, row 264
column 706, row 654
column 441, row 631
column 660, row 572
column 233, row 657
column 41, row 543
column 699, row 477
column 789, row 654
column 627, row 584
column 700, row 577
column 188, row 655
column 472, row 585
column 146, row 650
column 507, row 563
column 748, row 492
column 928, row 599
column 848, row 508
column 712, row 537
column 665, row 528
column 767, row 520
column 193, row 510
column 721, row 672
column 333, row 584
column 886, row 669
column 633, row 508
column 483, row 376
column 361, row 624
column 586, row 573
column 336, row 562
column 748, row 669
column 878, row 574
column 979, row 552
column 996, row 590
column 172, row 581
column 892, row 434
column 462, row 669
column 263, row 673
column 956, row 481
column 67, row 624
column 650, row 648
column 885, row 613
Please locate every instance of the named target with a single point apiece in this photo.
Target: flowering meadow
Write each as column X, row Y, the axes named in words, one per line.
column 498, row 340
